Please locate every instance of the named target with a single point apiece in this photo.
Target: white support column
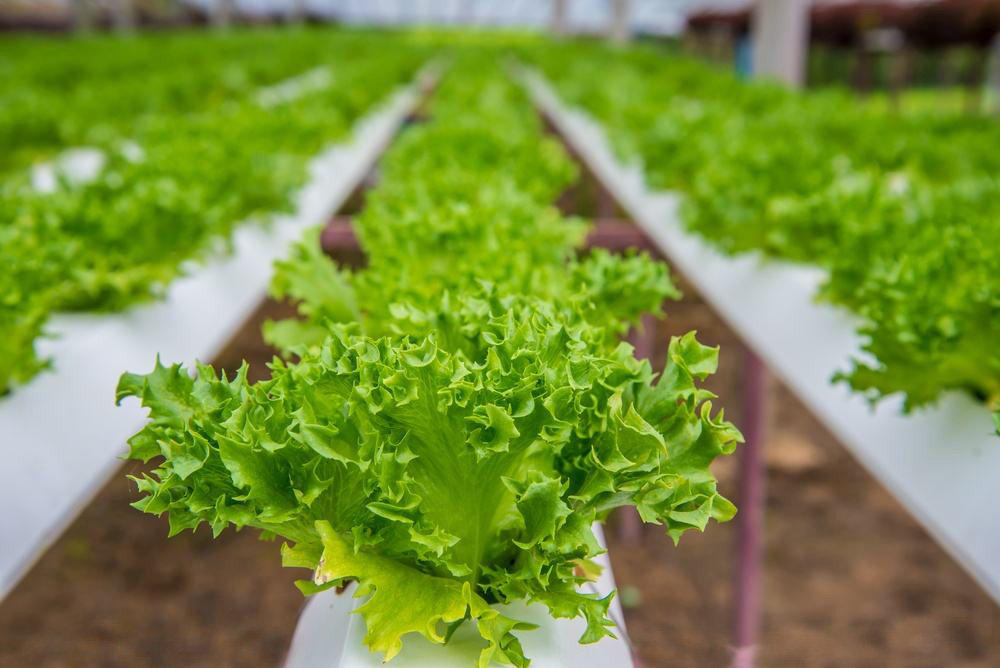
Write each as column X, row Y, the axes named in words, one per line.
column 619, row 29
column 560, row 10
column 466, row 13
column 82, row 15
column 297, row 11
column 223, row 12
column 780, row 38
column 123, row 15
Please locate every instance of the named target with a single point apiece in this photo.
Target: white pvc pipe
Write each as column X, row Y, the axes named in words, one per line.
column 62, row 434
column 942, row 462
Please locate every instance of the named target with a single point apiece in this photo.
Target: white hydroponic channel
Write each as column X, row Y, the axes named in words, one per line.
column 942, row 463
column 62, row 434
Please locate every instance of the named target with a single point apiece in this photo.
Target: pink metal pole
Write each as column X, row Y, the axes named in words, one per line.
column 750, row 520
column 338, row 236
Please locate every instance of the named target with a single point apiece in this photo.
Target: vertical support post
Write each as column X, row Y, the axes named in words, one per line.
column 619, row 28
column 862, row 69
column 750, row 520
column 899, row 76
column 975, row 77
column 643, row 339
column 886, row 44
column 175, row 13
column 743, row 56
column 993, row 76
column 720, row 44
column 558, row 24
column 222, row 16
column 780, row 38
column 82, row 15
column 123, row 15
column 297, row 12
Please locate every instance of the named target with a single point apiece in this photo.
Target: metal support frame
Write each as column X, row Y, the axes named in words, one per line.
column 558, row 23
column 747, row 597
column 223, row 13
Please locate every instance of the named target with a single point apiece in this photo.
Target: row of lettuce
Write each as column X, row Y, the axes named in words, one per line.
column 902, row 210
column 197, row 135
column 445, row 425
column 92, row 91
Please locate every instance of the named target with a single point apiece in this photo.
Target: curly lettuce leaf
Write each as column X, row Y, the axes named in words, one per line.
column 483, row 469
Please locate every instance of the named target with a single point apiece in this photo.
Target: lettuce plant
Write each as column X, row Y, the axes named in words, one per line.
column 899, row 207
column 442, row 482
column 448, row 423
column 212, row 157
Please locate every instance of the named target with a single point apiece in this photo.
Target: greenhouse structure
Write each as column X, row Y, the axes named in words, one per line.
column 464, row 333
